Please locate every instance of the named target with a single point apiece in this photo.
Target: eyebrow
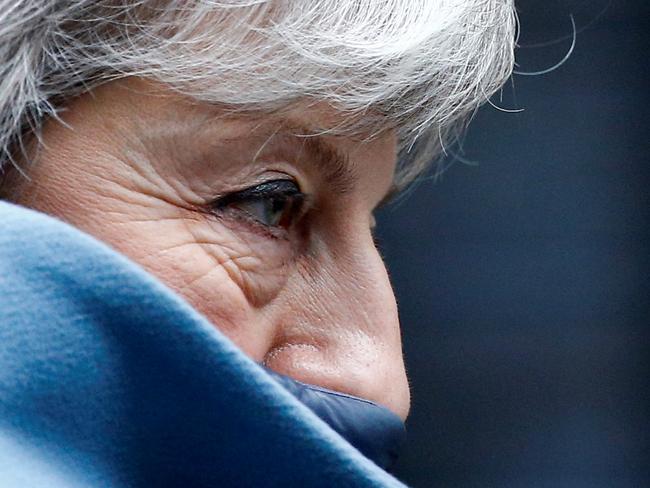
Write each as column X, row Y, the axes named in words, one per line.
column 291, row 139
column 310, row 147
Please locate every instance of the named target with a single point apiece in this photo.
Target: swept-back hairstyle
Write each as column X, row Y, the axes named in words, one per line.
column 419, row 66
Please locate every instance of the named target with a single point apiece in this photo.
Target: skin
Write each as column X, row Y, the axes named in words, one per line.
column 137, row 166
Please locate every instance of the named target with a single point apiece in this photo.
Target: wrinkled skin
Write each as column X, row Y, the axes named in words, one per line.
column 137, row 166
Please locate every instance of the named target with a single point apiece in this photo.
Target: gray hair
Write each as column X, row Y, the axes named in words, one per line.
column 418, row 66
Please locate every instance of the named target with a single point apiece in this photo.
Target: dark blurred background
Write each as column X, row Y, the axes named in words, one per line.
column 524, row 280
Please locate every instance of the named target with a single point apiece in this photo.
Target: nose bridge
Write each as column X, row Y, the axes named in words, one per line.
column 368, row 306
column 365, row 285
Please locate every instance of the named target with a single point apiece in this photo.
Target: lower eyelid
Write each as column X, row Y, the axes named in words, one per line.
column 245, row 221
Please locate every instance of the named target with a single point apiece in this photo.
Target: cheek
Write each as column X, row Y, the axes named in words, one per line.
column 225, row 272
column 256, row 264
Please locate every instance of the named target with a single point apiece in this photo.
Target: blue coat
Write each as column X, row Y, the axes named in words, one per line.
column 109, row 379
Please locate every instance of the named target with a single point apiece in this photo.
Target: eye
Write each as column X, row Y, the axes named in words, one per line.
column 277, row 203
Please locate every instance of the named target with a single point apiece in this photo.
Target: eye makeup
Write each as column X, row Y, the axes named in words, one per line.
column 274, row 204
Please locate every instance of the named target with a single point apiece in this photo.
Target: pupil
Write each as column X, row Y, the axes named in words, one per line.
column 278, row 204
column 278, row 211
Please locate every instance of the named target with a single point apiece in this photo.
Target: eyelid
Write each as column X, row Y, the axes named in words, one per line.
column 261, row 190
column 234, row 203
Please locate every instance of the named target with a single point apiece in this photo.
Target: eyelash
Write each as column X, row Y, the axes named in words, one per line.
column 255, row 200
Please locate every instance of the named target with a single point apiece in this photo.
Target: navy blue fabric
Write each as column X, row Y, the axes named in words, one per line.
column 373, row 429
column 108, row 379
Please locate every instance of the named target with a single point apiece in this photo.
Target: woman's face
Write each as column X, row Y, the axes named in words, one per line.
column 265, row 231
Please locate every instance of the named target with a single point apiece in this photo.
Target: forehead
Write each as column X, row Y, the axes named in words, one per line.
column 304, row 117
column 306, row 131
